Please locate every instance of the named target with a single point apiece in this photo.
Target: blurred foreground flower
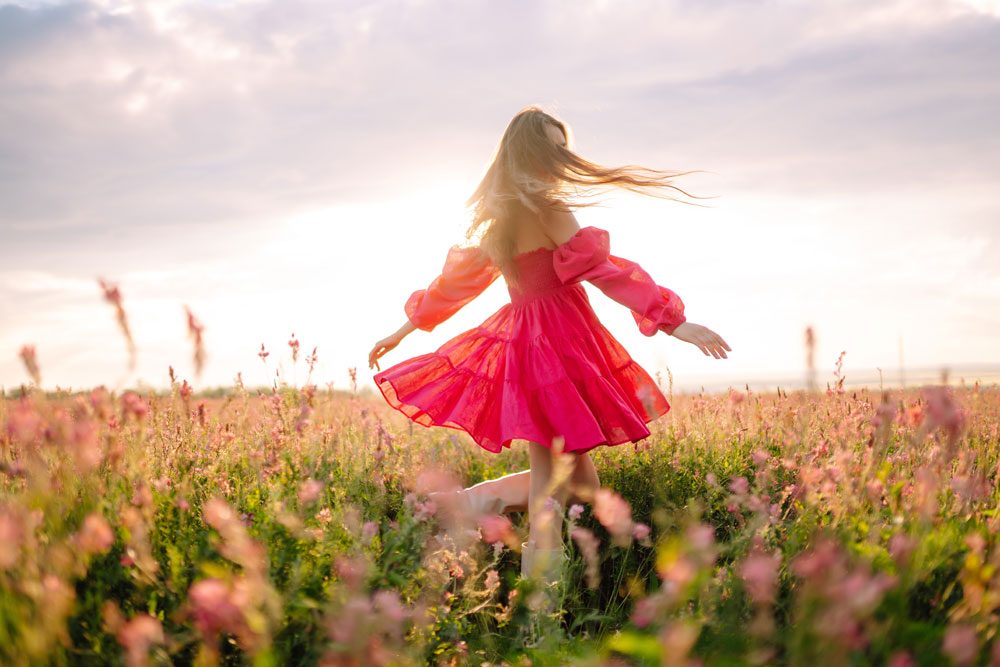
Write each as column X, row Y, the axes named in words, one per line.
column 137, row 636
column 95, row 536
column 31, row 363
column 615, row 515
column 114, row 296
column 195, row 329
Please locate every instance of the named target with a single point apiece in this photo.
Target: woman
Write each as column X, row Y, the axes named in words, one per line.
column 542, row 368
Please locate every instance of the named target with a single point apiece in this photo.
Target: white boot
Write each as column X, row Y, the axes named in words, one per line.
column 527, row 558
column 549, row 564
column 546, row 567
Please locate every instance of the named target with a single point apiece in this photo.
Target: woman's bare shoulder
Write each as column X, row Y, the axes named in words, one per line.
column 560, row 224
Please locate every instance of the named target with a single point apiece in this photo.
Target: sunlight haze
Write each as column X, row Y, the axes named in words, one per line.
column 302, row 168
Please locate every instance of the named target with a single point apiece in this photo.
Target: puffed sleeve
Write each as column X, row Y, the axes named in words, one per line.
column 587, row 256
column 466, row 274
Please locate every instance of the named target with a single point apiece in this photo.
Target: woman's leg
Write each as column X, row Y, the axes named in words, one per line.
column 513, row 490
column 543, row 524
column 585, row 481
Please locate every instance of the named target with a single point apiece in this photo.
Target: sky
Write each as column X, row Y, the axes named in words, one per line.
column 301, row 167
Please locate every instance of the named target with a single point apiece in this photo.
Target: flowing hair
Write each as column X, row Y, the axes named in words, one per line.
column 531, row 173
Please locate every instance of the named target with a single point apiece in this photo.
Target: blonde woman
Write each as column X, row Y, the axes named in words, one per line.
column 542, row 369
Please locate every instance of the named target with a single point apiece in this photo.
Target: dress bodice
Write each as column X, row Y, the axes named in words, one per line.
column 537, row 275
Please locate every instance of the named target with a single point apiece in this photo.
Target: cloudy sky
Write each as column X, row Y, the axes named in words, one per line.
column 301, row 167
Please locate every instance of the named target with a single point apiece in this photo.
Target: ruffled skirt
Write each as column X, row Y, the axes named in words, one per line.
column 542, row 368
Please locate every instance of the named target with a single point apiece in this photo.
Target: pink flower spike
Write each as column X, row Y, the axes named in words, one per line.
column 496, row 528
column 614, row 513
column 137, row 636
column 95, row 535
column 31, row 363
column 760, row 574
column 640, row 532
column 961, row 643
column 309, row 491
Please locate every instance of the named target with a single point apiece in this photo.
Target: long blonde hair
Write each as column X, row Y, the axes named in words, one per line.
column 530, row 172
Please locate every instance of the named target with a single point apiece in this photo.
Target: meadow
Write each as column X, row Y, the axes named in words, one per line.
column 292, row 526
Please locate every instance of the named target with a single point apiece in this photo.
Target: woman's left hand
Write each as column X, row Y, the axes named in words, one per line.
column 703, row 338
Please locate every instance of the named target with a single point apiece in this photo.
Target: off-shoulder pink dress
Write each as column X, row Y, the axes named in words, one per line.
column 543, row 365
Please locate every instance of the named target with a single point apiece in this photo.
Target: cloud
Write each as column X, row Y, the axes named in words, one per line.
column 162, row 136
column 174, row 114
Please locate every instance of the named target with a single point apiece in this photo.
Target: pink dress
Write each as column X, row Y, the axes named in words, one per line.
column 543, row 365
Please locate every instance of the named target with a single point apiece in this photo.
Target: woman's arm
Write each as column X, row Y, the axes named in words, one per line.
column 388, row 343
column 584, row 254
column 466, row 273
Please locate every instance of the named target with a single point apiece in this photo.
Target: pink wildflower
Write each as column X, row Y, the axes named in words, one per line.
column 195, row 329
column 614, row 513
column 86, row 445
column 943, row 411
column 760, row 574
column 701, row 536
column 640, row 532
column 213, row 609
column 588, row 544
column 644, row 611
column 351, row 570
column 95, row 535
column 961, row 643
column 114, row 296
column 137, row 636
column 24, row 424
column 388, row 602
column 677, row 638
column 133, row 404
column 496, row 528
column 12, row 532
column 309, row 491
column 884, row 414
column 218, row 514
column 816, row 560
column 677, row 572
column 901, row 659
column 31, row 363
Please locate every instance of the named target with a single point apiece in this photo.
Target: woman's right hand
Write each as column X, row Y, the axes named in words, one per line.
column 382, row 347
column 704, row 338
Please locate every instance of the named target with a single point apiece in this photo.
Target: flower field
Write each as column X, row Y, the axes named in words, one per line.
column 292, row 526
